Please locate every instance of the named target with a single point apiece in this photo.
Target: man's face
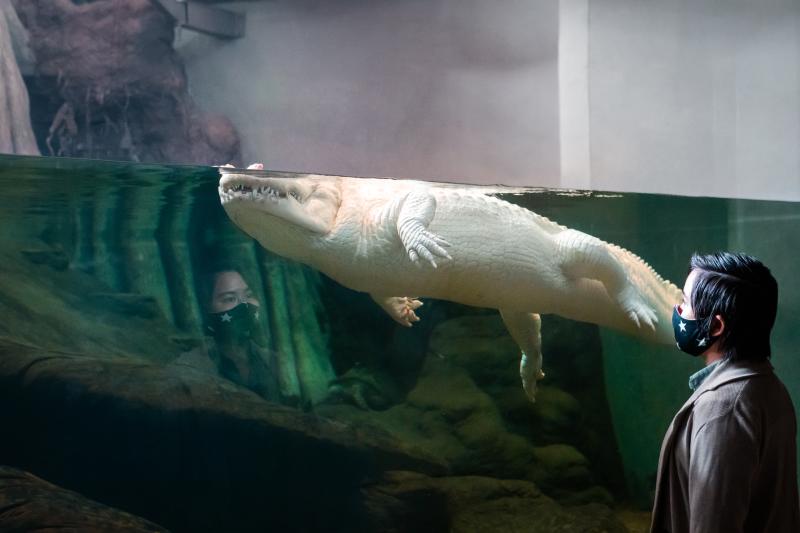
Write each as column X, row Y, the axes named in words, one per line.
column 685, row 307
column 230, row 290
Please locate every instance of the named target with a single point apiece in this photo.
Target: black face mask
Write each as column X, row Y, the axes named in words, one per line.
column 237, row 325
column 689, row 335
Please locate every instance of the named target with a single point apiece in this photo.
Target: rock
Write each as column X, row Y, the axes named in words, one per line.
column 556, row 416
column 130, row 304
column 54, row 258
column 449, row 417
column 563, row 467
column 186, row 449
column 449, row 389
column 407, row 501
column 52, row 308
column 109, row 85
column 516, row 514
column 469, row 414
column 480, row 345
column 32, row 504
column 364, row 388
column 595, row 494
column 571, row 406
column 16, row 134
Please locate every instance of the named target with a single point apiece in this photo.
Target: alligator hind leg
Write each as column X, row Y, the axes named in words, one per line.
column 400, row 308
column 584, row 256
column 526, row 330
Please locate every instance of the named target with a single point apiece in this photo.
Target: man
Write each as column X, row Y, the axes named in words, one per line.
column 728, row 460
column 236, row 349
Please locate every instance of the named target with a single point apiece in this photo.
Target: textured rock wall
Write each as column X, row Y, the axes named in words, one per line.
column 183, row 448
column 32, row 504
column 114, row 245
column 109, row 85
column 16, row 134
column 195, row 453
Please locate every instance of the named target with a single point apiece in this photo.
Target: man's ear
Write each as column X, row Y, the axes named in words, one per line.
column 717, row 326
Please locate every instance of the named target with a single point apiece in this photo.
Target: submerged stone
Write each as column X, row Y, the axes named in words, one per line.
column 29, row 503
column 409, row 502
column 184, row 448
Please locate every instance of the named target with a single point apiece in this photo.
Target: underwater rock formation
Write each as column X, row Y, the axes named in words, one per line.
column 403, row 502
column 185, row 449
column 572, row 409
column 28, row 503
column 468, row 409
column 450, row 418
column 111, row 257
column 46, row 305
column 109, row 85
column 16, row 134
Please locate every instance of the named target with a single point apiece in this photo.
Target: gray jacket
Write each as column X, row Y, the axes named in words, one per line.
column 728, row 461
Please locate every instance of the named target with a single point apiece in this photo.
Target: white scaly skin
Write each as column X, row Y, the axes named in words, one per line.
column 393, row 239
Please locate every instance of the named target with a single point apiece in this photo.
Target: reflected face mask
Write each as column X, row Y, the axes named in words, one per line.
column 689, row 335
column 237, row 325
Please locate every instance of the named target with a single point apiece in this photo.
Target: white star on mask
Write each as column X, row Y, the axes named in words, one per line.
column 682, row 325
column 702, row 342
column 226, row 317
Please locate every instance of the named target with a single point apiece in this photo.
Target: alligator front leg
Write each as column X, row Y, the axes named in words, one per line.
column 416, row 213
column 400, row 308
column 526, row 330
column 584, row 256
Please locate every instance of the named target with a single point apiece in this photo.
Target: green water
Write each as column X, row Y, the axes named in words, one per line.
column 102, row 262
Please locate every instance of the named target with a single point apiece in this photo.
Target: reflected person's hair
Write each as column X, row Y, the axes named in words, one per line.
column 206, row 281
column 742, row 290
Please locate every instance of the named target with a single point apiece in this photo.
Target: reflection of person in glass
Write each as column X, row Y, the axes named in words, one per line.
column 237, row 347
column 728, row 461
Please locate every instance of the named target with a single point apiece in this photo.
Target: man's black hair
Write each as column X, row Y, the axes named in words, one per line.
column 742, row 290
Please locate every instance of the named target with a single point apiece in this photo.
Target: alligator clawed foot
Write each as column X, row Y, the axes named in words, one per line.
column 426, row 245
column 637, row 310
column 401, row 308
column 530, row 370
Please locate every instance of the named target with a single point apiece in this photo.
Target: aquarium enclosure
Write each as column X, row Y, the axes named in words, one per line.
column 376, row 426
column 379, row 266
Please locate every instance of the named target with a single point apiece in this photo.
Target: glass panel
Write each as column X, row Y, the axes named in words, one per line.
column 109, row 369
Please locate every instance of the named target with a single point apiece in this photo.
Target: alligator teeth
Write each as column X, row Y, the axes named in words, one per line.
column 263, row 192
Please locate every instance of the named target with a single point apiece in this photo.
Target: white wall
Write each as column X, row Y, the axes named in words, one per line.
column 462, row 90
column 694, row 97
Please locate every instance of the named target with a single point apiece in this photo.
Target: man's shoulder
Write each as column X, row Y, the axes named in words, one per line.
column 766, row 390
column 718, row 401
column 758, row 394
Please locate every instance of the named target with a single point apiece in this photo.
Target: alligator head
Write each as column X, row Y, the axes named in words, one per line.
column 278, row 209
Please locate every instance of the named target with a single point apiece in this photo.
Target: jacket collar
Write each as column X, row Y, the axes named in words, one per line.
column 726, row 372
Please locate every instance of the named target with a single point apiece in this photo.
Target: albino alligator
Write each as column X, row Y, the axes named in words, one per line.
column 393, row 239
